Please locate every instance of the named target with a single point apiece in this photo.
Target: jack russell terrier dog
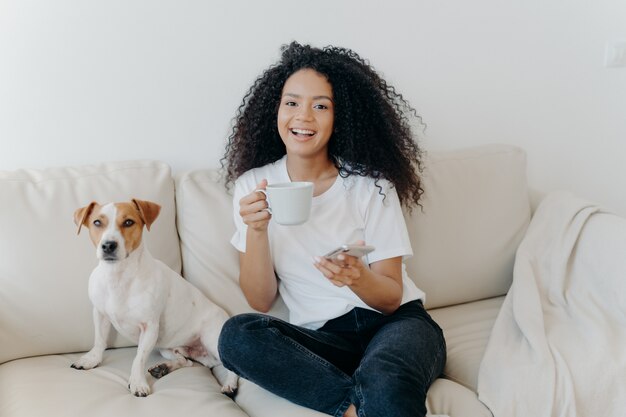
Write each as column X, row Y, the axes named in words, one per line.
column 144, row 299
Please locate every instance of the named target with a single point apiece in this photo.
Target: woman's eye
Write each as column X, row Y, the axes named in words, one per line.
column 128, row 223
column 320, row 107
column 290, row 103
column 97, row 223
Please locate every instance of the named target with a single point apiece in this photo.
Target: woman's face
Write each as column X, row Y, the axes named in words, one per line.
column 306, row 114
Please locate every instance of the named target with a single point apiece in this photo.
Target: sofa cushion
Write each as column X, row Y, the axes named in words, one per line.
column 466, row 328
column 205, row 226
column 47, row 386
column 475, row 212
column 44, row 306
column 258, row 402
column 61, row 391
column 447, row 398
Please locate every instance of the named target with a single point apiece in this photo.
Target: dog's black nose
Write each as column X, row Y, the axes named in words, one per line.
column 109, row 247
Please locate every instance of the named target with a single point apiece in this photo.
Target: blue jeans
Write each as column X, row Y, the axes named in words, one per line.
column 382, row 364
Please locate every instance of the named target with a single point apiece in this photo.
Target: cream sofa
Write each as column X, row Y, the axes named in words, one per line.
column 475, row 212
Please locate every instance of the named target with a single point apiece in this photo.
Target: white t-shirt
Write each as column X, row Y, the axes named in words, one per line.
column 351, row 209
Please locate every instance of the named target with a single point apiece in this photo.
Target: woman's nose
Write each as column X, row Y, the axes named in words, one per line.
column 305, row 113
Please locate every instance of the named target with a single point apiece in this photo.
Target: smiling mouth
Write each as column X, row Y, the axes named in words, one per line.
column 302, row 133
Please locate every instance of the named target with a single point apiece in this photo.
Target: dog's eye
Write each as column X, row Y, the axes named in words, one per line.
column 128, row 223
column 97, row 223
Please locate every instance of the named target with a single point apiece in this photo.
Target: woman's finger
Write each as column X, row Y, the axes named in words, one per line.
column 259, row 216
column 255, row 207
column 328, row 265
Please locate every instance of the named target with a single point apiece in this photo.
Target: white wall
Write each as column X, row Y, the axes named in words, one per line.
column 83, row 81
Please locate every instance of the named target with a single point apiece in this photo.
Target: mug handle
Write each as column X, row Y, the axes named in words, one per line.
column 268, row 209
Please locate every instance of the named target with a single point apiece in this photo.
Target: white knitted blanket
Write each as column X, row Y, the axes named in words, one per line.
column 558, row 346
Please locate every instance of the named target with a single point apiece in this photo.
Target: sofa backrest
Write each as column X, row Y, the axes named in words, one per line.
column 45, row 267
column 475, row 212
column 205, row 226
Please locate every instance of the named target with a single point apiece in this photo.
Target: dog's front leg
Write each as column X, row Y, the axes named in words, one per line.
column 147, row 339
column 91, row 359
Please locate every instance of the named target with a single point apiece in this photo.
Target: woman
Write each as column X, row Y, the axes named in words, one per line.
column 358, row 340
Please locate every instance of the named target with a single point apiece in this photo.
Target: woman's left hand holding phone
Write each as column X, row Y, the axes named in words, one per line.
column 342, row 270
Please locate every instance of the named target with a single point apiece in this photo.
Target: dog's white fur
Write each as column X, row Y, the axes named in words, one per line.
column 145, row 300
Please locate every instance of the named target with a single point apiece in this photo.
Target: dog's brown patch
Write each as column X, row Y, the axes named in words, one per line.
column 81, row 215
column 130, row 224
column 87, row 216
column 97, row 222
column 148, row 210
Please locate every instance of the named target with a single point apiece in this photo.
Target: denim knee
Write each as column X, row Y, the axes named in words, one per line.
column 402, row 360
column 233, row 337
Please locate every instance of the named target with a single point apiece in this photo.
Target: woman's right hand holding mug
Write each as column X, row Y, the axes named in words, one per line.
column 253, row 208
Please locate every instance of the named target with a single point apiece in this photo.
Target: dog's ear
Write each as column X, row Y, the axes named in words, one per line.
column 148, row 210
column 82, row 214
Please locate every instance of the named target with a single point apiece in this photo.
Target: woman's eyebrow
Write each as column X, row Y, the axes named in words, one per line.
column 314, row 97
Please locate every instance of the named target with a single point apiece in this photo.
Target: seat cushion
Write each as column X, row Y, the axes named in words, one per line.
column 445, row 398
column 47, row 386
column 45, row 268
column 466, row 328
column 448, row 398
column 258, row 402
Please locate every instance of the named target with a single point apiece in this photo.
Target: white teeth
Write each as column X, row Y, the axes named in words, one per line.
column 303, row 131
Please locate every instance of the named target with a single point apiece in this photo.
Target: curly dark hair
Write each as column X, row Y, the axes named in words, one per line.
column 372, row 135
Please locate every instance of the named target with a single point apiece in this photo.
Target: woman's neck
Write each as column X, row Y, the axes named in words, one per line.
column 305, row 169
column 321, row 172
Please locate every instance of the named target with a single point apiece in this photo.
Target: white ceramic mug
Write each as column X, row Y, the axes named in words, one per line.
column 289, row 202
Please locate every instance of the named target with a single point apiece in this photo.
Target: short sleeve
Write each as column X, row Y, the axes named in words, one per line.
column 239, row 237
column 385, row 227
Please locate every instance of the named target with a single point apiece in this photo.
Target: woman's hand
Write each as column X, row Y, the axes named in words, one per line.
column 252, row 209
column 379, row 284
column 344, row 270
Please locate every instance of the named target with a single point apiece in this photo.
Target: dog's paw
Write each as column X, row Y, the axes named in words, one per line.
column 230, row 386
column 229, row 391
column 139, row 388
column 87, row 361
column 159, row 371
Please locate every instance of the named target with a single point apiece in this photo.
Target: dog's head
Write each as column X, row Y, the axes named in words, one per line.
column 116, row 228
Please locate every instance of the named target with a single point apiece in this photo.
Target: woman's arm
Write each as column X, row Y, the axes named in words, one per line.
column 256, row 277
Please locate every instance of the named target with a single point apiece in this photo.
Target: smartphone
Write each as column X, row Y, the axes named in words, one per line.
column 352, row 250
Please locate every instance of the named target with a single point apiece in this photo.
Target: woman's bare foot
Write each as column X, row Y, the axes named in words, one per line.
column 350, row 412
